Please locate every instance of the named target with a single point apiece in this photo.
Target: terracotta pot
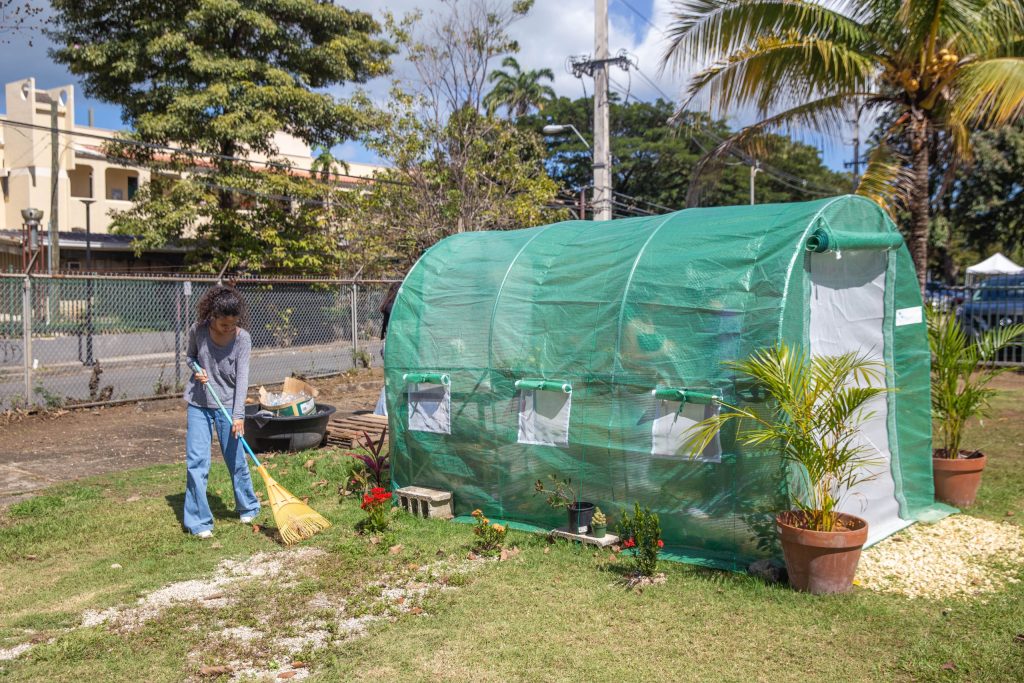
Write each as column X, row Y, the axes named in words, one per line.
column 821, row 561
column 957, row 479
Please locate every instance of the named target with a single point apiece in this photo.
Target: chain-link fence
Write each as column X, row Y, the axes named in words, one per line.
column 76, row 340
column 993, row 303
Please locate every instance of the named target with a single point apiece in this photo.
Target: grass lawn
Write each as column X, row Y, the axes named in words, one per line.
column 412, row 607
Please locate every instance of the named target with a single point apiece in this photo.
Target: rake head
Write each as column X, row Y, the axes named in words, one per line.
column 295, row 520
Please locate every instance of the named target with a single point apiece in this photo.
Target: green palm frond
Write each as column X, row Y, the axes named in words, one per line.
column 802, row 67
column 887, row 180
column 990, row 93
column 961, row 371
column 701, row 27
column 818, row 404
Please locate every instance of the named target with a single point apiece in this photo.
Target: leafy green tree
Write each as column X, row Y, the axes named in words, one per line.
column 220, row 78
column 653, row 160
column 936, row 65
column 453, row 166
column 517, row 90
column 986, row 207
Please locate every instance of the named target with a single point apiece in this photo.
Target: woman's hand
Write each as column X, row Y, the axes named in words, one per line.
column 238, row 428
column 201, row 377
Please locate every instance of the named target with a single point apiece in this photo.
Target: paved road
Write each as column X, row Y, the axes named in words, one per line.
column 139, row 376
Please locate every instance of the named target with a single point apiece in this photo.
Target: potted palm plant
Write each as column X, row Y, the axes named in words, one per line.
column 816, row 407
column 962, row 368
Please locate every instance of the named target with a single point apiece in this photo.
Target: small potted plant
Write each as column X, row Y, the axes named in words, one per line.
column 813, row 419
column 561, row 495
column 961, row 371
column 598, row 524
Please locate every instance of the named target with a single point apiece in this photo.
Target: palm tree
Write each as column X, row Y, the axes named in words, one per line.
column 932, row 69
column 517, row 90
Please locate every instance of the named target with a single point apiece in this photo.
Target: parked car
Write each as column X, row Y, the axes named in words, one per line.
column 996, row 302
column 943, row 297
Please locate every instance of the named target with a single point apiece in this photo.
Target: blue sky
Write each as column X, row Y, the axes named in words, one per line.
column 553, row 30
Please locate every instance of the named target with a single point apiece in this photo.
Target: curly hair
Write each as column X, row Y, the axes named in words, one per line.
column 221, row 301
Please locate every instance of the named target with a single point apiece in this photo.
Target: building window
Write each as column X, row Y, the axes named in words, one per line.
column 133, row 186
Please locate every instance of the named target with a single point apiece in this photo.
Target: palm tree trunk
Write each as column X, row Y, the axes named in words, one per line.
column 919, row 196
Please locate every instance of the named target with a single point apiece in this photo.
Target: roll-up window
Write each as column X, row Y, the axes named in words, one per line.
column 544, row 407
column 430, row 402
column 676, row 411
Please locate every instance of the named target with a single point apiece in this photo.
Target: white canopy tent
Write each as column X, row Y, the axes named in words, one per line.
column 997, row 264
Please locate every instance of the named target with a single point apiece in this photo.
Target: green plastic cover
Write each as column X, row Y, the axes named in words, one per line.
column 824, row 239
column 622, row 310
column 427, row 378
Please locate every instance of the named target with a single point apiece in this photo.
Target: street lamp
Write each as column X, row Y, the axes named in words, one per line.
column 89, row 361
column 555, row 129
column 88, row 233
column 30, row 236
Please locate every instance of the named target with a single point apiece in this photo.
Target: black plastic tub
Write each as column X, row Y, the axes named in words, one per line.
column 287, row 433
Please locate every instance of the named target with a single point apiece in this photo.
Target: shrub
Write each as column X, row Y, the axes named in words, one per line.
column 489, row 537
column 641, row 533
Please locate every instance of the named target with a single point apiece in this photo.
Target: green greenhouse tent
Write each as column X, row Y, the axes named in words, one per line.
column 587, row 349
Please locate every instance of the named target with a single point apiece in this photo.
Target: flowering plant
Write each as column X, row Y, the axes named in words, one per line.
column 489, row 537
column 377, row 504
column 642, row 531
column 374, row 458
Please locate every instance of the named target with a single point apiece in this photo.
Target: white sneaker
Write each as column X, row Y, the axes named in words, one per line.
column 247, row 519
column 204, row 534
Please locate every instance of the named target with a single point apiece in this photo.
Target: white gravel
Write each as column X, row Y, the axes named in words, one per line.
column 957, row 557
column 208, row 593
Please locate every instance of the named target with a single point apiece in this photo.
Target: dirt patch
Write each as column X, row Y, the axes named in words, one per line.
column 209, row 593
column 958, row 557
column 42, row 450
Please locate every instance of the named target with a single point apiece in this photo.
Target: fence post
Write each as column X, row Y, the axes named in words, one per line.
column 177, row 334
column 26, row 332
column 355, row 326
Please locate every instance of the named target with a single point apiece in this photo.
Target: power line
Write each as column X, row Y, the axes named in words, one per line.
column 641, row 15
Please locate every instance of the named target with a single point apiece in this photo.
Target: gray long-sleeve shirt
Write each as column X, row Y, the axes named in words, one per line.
column 226, row 366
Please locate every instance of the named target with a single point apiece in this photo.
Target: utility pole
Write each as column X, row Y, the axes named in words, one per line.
column 755, row 168
column 597, row 68
column 602, row 147
column 53, row 252
column 858, row 108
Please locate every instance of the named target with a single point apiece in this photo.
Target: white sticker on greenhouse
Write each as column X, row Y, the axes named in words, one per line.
column 909, row 316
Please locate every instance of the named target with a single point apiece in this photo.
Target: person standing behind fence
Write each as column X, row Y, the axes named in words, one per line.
column 219, row 344
column 385, row 311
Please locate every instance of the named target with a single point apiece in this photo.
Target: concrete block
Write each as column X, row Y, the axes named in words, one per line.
column 424, row 502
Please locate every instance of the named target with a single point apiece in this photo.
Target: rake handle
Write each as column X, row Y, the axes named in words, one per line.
column 245, row 444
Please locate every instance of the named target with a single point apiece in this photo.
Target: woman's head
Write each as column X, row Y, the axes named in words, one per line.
column 223, row 308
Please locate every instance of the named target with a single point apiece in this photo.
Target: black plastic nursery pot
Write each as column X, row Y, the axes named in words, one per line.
column 580, row 515
column 287, row 433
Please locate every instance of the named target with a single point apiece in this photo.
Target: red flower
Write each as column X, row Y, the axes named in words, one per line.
column 378, row 490
column 629, row 543
column 661, row 543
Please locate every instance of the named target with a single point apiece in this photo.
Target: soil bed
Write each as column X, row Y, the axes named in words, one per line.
column 41, row 450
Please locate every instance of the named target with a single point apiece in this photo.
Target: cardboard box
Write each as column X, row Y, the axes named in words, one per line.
column 292, row 385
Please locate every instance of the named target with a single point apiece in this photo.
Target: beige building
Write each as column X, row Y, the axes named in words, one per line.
column 83, row 172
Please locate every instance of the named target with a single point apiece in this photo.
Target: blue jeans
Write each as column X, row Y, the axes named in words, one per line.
column 198, row 440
